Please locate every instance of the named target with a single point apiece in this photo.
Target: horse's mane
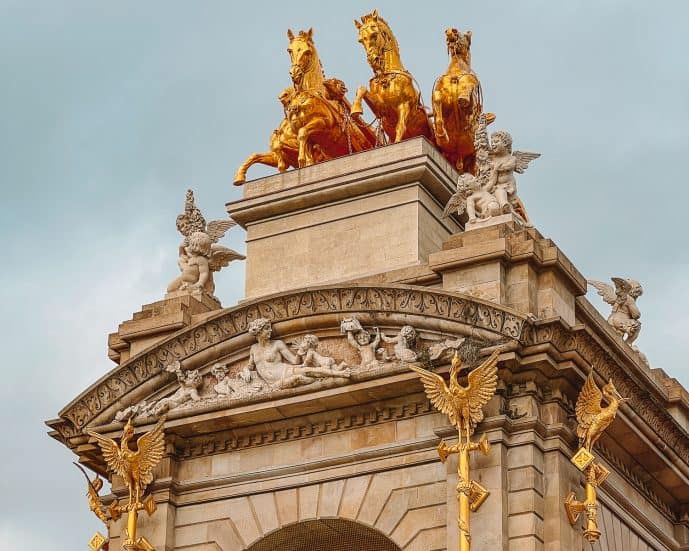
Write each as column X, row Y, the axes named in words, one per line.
column 373, row 17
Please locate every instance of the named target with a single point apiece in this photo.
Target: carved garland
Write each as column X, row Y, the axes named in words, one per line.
column 641, row 401
column 234, row 321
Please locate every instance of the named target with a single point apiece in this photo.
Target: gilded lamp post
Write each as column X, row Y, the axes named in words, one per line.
column 593, row 419
column 136, row 469
column 464, row 407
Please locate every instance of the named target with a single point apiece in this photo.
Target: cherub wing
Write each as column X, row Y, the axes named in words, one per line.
column 588, row 405
column 523, row 160
column 622, row 286
column 222, row 256
column 457, row 203
column 482, row 384
column 604, row 290
column 217, row 228
column 111, row 453
column 151, row 448
column 437, row 392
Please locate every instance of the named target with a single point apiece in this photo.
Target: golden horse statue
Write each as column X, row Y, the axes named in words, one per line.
column 318, row 112
column 284, row 148
column 392, row 96
column 318, row 124
column 457, row 104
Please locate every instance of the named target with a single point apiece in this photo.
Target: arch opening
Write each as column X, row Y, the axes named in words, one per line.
column 325, row 535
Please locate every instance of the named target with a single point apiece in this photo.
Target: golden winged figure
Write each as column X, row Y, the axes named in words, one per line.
column 135, row 467
column 462, row 404
column 593, row 418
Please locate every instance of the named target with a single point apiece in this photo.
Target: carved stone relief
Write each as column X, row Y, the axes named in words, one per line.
column 235, row 321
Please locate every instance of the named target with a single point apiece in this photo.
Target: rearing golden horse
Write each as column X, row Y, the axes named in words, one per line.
column 457, row 104
column 318, row 112
column 392, row 96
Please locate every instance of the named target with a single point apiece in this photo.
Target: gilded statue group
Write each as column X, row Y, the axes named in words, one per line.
column 321, row 124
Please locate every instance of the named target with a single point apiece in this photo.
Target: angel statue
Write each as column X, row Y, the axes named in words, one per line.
column 136, row 469
column 504, row 163
column 625, row 314
column 199, row 253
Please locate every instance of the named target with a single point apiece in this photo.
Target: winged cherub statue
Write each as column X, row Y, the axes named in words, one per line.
column 592, row 417
column 504, row 163
column 462, row 404
column 135, row 467
column 199, row 253
column 625, row 314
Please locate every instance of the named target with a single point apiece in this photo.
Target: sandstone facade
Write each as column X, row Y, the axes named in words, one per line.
column 353, row 464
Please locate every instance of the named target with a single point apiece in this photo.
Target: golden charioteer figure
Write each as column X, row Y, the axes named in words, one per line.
column 136, row 469
column 464, row 407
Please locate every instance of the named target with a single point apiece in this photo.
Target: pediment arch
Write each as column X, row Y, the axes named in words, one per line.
column 316, row 309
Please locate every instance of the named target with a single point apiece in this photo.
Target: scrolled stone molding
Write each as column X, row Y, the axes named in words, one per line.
column 485, row 320
column 644, row 402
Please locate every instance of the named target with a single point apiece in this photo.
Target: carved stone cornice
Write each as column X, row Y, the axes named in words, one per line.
column 289, row 430
column 646, row 399
column 485, row 319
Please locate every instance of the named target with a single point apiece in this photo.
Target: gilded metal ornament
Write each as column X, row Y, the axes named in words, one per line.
column 319, row 123
column 593, row 419
column 457, row 104
column 464, row 407
column 136, row 469
column 391, row 95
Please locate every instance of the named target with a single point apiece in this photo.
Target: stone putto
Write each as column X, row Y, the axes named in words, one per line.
column 360, row 339
column 625, row 314
column 404, row 343
column 199, row 253
column 493, row 191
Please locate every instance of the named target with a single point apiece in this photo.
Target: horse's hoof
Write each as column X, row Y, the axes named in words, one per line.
column 239, row 181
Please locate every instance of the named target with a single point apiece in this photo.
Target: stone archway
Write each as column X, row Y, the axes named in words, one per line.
column 325, row 535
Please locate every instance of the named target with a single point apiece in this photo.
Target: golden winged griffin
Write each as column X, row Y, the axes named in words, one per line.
column 463, row 405
column 593, row 419
column 135, row 467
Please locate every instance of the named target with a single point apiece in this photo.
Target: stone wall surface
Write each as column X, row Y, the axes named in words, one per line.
column 346, row 461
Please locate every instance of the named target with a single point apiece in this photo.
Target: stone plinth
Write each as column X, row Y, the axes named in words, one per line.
column 513, row 266
column 352, row 217
column 157, row 320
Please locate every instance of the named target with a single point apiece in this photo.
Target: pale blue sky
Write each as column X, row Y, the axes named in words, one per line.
column 110, row 110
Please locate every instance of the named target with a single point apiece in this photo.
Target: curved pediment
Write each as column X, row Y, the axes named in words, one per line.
column 318, row 310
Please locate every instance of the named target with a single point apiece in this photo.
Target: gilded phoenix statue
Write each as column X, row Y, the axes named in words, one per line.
column 593, row 419
column 136, row 469
column 464, row 407
column 391, row 95
column 457, row 104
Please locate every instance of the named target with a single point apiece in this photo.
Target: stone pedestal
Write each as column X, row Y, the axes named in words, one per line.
column 513, row 266
column 157, row 320
column 345, row 219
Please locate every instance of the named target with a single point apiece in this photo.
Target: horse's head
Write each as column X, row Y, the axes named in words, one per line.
column 302, row 53
column 458, row 44
column 376, row 37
